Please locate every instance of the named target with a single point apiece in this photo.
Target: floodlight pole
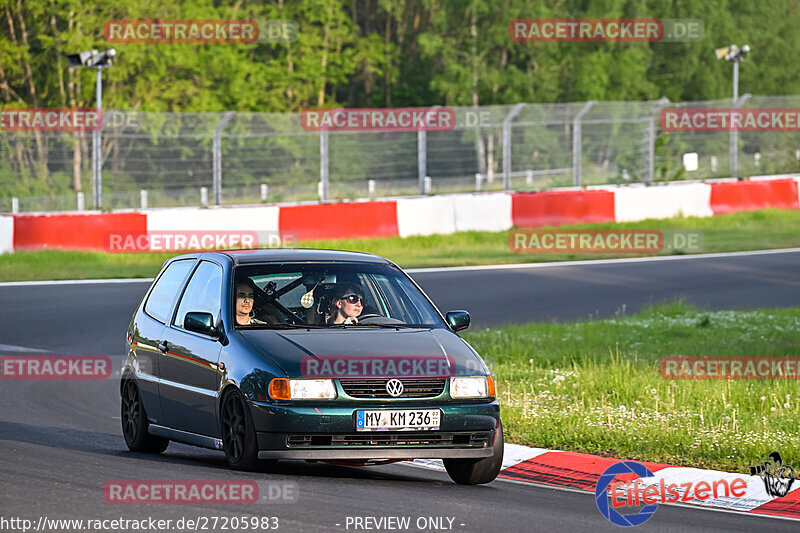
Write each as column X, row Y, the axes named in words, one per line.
column 735, row 55
column 97, row 145
column 98, row 61
column 734, row 140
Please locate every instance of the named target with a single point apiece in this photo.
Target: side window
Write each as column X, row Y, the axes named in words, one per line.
column 395, row 300
column 166, row 289
column 203, row 293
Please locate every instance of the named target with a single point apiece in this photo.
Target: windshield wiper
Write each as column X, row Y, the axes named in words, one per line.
column 392, row 326
column 283, row 326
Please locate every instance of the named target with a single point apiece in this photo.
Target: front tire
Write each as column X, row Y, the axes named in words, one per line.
column 238, row 433
column 477, row 471
column 134, row 422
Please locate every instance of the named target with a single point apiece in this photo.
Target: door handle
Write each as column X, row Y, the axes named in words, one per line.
column 162, row 347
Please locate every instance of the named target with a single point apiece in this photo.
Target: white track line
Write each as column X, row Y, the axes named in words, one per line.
column 512, row 266
column 15, row 348
column 603, row 261
column 74, row 282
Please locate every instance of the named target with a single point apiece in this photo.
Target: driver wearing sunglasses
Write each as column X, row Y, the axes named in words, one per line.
column 347, row 304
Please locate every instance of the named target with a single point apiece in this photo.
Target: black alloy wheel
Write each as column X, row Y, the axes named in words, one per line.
column 134, row 422
column 238, row 433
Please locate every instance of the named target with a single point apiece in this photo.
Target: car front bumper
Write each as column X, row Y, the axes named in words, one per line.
column 328, row 432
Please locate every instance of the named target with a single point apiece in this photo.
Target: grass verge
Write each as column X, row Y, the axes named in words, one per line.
column 595, row 387
column 755, row 230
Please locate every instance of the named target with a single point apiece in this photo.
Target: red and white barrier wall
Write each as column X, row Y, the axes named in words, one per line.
column 635, row 202
column 6, row 234
column 405, row 217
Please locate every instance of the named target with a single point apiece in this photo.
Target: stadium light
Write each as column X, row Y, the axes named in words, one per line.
column 735, row 55
column 98, row 61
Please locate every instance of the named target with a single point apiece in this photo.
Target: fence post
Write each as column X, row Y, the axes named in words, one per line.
column 14, row 205
column 264, row 192
column 529, row 177
column 651, row 147
column 204, row 196
column 478, row 181
column 427, row 185
column 422, row 153
column 143, row 199
column 422, row 159
column 217, row 156
column 576, row 143
column 371, row 188
column 734, row 139
column 81, row 201
column 507, row 145
column 323, row 166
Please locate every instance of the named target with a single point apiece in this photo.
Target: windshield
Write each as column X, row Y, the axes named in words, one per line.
column 328, row 295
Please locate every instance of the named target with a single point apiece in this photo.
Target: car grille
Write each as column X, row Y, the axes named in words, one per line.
column 471, row 440
column 376, row 388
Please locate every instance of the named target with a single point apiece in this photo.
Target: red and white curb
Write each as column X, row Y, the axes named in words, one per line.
column 404, row 217
column 580, row 471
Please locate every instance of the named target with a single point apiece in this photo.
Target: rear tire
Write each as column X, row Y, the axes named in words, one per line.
column 477, row 471
column 238, row 432
column 134, row 422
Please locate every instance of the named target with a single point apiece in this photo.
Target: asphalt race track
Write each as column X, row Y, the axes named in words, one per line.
column 60, row 441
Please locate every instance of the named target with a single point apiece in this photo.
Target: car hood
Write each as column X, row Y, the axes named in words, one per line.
column 299, row 351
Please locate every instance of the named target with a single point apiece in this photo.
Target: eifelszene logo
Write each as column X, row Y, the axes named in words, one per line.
column 778, row 477
column 640, row 492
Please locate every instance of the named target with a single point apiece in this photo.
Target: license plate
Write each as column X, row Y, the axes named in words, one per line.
column 398, row 420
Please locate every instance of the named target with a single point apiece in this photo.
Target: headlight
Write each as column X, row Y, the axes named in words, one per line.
column 472, row 387
column 302, row 389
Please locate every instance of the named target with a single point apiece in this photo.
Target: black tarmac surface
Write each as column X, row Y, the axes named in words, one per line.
column 60, row 441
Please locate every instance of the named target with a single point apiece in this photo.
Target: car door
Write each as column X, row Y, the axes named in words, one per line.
column 147, row 331
column 189, row 377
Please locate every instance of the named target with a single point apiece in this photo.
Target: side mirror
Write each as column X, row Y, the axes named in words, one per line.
column 457, row 320
column 200, row 323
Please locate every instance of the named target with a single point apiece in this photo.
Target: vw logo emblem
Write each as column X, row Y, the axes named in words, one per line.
column 394, row 387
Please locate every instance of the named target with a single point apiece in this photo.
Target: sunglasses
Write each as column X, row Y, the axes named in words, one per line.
column 354, row 299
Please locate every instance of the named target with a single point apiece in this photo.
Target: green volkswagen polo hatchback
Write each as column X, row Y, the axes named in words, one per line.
column 306, row 354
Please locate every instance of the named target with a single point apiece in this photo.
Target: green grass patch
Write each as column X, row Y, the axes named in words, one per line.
column 756, row 230
column 595, row 387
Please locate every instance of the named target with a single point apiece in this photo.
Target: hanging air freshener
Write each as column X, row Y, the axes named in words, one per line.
column 307, row 299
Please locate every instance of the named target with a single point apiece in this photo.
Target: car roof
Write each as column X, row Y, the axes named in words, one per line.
column 270, row 255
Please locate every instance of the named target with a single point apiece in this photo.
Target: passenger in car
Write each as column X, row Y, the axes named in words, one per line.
column 245, row 296
column 347, row 304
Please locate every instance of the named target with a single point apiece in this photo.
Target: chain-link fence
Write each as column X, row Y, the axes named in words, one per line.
column 176, row 159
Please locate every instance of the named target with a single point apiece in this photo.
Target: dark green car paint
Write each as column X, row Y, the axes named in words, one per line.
column 183, row 375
